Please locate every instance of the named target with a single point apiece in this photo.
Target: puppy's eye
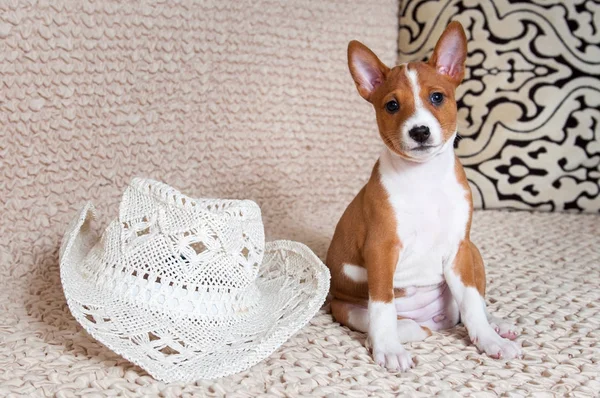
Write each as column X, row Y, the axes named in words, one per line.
column 392, row 106
column 436, row 98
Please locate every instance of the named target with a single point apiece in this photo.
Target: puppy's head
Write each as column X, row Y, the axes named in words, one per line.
column 414, row 102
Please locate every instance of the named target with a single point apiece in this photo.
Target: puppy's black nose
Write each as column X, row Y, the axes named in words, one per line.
column 419, row 133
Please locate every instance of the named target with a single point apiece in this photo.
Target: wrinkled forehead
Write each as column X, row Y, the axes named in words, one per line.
column 404, row 79
column 398, row 79
column 428, row 77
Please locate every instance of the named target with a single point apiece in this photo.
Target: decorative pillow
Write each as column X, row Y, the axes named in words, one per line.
column 529, row 117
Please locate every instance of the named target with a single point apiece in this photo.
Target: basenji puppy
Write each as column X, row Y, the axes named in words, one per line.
column 401, row 259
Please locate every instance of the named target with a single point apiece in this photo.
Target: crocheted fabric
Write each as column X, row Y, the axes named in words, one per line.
column 543, row 272
column 180, row 287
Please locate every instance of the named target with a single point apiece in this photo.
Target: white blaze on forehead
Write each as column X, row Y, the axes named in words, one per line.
column 355, row 273
column 414, row 84
column 421, row 116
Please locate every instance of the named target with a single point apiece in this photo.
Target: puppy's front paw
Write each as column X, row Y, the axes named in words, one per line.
column 391, row 355
column 394, row 359
column 497, row 347
column 504, row 329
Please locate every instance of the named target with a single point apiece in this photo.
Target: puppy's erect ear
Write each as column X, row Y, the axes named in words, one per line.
column 366, row 69
column 451, row 52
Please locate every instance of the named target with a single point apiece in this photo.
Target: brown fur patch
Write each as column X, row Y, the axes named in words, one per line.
column 465, row 267
column 469, row 264
column 339, row 311
column 478, row 270
column 461, row 176
column 346, row 248
column 463, row 264
column 355, row 297
column 366, row 236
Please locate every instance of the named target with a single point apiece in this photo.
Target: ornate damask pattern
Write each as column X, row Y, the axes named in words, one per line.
column 529, row 131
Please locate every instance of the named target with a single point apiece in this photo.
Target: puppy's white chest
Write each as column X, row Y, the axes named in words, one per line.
column 424, row 222
column 431, row 212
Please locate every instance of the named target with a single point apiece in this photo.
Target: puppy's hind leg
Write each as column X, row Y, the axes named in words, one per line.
column 356, row 317
column 409, row 330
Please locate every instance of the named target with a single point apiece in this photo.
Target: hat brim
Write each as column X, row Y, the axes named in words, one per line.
column 293, row 284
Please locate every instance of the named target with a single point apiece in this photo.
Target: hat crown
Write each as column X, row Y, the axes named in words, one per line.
column 170, row 250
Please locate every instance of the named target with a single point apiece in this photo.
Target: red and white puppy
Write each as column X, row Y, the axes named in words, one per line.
column 401, row 260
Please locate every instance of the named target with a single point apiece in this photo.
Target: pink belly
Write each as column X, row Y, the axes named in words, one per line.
column 430, row 306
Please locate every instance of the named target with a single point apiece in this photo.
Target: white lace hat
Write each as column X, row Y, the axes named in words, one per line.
column 186, row 288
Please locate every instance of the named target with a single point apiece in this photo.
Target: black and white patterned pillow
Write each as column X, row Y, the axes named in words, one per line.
column 529, row 108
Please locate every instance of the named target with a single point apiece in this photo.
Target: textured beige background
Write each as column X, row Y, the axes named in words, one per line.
column 225, row 99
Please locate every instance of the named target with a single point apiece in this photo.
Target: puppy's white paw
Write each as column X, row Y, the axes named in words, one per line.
column 389, row 353
column 497, row 347
column 396, row 359
column 504, row 329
